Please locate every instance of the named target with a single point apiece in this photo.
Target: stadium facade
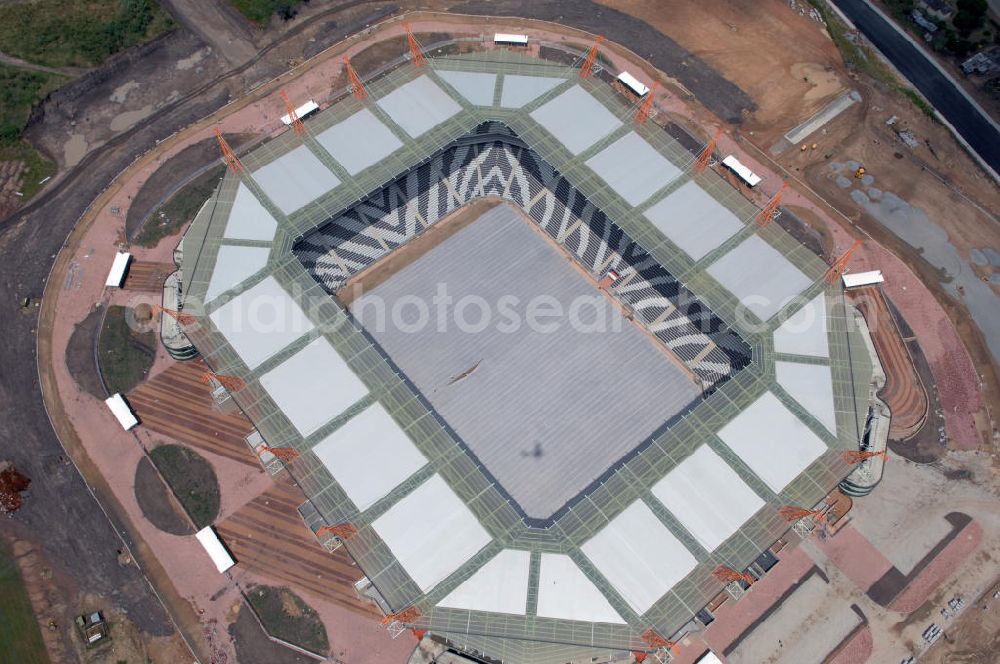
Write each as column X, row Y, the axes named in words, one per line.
column 475, row 540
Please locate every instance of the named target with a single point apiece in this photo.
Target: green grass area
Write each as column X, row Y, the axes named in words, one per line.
column 20, row 90
column 79, row 33
column 192, row 480
column 20, row 635
column 180, row 208
column 261, row 11
column 123, row 355
column 287, row 617
column 36, row 166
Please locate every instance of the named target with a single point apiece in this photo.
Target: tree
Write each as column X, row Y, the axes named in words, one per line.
column 970, row 16
column 12, row 484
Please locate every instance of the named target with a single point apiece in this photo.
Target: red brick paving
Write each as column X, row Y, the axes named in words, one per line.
column 855, row 649
column 855, row 556
column 927, row 581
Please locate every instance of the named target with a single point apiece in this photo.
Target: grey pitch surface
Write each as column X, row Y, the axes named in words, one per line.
column 633, row 168
column 759, row 276
column 693, row 220
column 547, row 412
column 576, row 119
column 359, row 141
column 419, row 106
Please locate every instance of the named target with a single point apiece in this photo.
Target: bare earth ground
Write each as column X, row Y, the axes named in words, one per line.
column 53, row 214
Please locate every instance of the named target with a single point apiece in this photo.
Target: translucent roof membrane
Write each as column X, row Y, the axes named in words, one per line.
column 576, row 119
column 501, row 585
column 693, row 220
column 418, row 106
column 758, row 275
column 633, row 168
column 359, row 141
column 295, row 179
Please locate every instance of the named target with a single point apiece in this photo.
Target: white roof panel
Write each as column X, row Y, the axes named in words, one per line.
column 431, row 532
column 507, row 38
column 576, row 119
column 707, row 497
column 804, row 332
column 214, row 548
column 302, row 111
column 313, row 386
column 758, row 275
column 812, row 386
column 116, row 275
column 260, row 321
column 633, row 168
column 233, row 265
column 633, row 84
column 477, row 87
column 565, row 592
column 248, row 219
column 639, row 556
column 770, row 439
column 499, row 586
column 745, row 173
column 693, row 220
column 418, row 106
column 369, row 440
column 295, row 179
column 122, row 411
column 520, row 90
column 858, row 279
column 359, row 141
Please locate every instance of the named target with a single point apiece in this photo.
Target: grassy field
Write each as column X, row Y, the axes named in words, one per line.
column 260, row 11
column 20, row 90
column 20, row 636
column 124, row 357
column 79, row 33
column 192, row 480
column 287, row 617
column 180, row 208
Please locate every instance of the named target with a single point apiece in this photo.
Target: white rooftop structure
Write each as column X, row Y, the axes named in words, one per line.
column 359, row 141
column 565, row 592
column 507, row 38
column 633, row 84
column 805, row 331
column 693, row 220
column 501, row 585
column 418, row 106
column 295, row 179
column 859, row 279
column 369, row 440
column 116, row 275
column 214, row 548
column 707, row 497
column 519, row 90
column 431, row 532
column 633, row 168
column 576, row 119
column 249, row 220
column 477, row 87
column 302, row 111
column 709, row 658
column 812, row 386
column 639, row 556
column 122, row 411
column 313, row 386
column 233, row 265
column 770, row 439
column 742, row 171
column 758, row 275
column 260, row 321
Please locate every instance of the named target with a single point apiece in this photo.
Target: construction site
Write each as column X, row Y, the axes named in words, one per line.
column 495, row 358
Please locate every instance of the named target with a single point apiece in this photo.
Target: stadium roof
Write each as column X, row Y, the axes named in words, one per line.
column 786, row 376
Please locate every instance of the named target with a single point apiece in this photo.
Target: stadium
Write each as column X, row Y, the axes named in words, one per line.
column 531, row 496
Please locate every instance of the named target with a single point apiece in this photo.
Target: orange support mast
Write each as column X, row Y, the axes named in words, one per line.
column 341, row 531
column 357, row 87
column 857, row 456
column 231, row 383
column 839, row 265
column 407, row 616
column 727, row 575
column 227, row 152
column 588, row 64
column 286, row 454
column 655, row 641
column 415, row 53
column 182, row 318
column 705, row 155
column 642, row 113
column 766, row 216
column 792, row 513
column 297, row 125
